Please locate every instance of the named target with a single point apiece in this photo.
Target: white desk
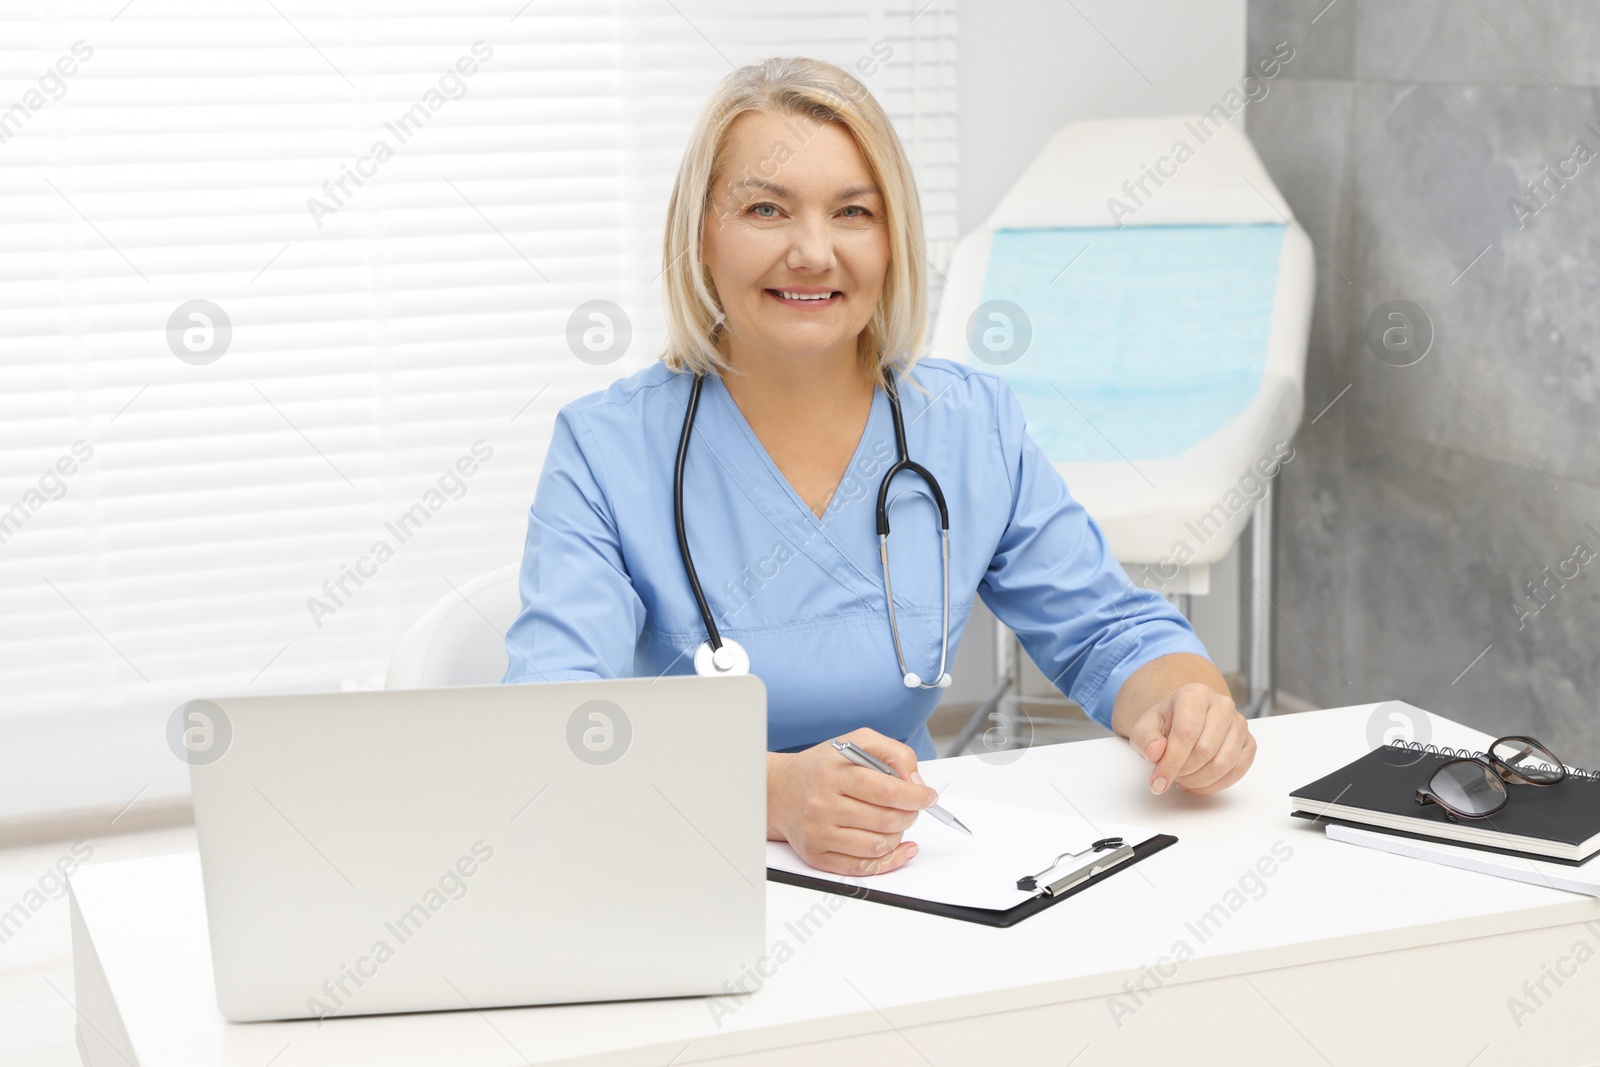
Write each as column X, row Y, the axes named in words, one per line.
column 1341, row 956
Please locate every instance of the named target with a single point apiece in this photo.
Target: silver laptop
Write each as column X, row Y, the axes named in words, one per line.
column 480, row 846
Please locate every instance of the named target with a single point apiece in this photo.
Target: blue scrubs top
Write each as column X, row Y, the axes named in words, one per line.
column 604, row 593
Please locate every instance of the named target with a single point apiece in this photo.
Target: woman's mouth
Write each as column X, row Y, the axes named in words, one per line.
column 805, row 301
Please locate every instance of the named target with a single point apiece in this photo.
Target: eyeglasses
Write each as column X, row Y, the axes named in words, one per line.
column 1475, row 788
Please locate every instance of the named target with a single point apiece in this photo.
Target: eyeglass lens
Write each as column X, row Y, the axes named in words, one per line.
column 1468, row 787
column 1533, row 762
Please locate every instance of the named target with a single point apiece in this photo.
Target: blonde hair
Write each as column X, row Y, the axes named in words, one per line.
column 892, row 340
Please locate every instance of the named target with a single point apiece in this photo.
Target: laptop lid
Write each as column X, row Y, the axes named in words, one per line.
column 480, row 846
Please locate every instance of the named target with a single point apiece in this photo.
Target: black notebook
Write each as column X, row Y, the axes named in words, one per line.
column 1559, row 822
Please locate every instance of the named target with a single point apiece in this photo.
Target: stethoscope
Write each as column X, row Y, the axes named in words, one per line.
column 719, row 655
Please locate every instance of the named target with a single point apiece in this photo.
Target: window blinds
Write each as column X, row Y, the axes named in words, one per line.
column 284, row 292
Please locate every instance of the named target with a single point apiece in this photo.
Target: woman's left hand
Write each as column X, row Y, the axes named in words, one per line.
column 1197, row 738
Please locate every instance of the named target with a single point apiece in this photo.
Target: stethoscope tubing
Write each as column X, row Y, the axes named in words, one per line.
column 714, row 640
column 712, row 636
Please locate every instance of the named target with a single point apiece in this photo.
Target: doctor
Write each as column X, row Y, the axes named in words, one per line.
column 795, row 293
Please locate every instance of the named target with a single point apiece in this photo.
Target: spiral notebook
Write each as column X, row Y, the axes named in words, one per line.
column 1560, row 822
column 1011, row 866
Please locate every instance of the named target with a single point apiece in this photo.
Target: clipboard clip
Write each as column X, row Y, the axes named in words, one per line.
column 1115, row 849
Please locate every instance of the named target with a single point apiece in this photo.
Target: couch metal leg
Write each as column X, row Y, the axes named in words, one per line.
column 1259, row 649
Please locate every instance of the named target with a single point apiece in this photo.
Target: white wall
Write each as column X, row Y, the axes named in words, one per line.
column 1026, row 68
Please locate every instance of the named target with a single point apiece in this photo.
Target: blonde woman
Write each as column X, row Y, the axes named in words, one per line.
column 796, row 295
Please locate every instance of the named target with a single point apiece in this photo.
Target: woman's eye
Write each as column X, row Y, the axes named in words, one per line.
column 771, row 211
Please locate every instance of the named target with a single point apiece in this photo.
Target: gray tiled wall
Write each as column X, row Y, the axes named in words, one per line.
column 1427, row 496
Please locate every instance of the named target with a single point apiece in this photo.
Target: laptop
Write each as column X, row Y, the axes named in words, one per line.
column 480, row 846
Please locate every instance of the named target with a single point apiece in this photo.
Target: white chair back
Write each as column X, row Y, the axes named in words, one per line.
column 460, row 640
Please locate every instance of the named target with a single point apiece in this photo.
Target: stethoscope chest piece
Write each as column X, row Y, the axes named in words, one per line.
column 731, row 658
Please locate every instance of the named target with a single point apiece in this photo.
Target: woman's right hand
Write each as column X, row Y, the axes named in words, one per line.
column 843, row 818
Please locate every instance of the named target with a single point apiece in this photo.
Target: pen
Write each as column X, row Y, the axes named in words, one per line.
column 860, row 756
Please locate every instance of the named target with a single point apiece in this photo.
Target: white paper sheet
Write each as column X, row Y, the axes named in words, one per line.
column 1584, row 878
column 1008, row 841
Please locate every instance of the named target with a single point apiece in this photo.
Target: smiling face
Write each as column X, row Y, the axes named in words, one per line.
column 797, row 249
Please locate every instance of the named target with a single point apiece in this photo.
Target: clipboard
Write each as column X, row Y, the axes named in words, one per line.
column 1068, row 882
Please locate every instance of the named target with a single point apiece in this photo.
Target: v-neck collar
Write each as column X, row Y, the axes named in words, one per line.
column 875, row 418
column 795, row 519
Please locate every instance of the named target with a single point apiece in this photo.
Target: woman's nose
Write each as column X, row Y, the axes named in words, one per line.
column 812, row 247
